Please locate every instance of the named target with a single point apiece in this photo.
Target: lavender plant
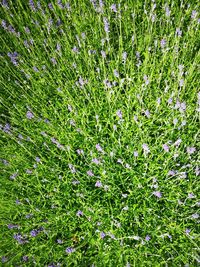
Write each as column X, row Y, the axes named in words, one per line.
column 99, row 126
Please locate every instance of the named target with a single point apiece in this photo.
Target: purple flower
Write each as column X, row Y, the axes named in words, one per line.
column 13, row 57
column 195, row 216
column 106, row 25
column 165, row 147
column 145, row 148
column 53, row 60
column 191, row 150
column 187, row 231
column 3, row 24
column 178, row 142
column 19, row 238
column 147, row 238
column 37, row 159
column 146, row 79
column 72, row 168
column 191, row 195
column 29, row 115
column 25, row 258
column 103, row 53
column 75, row 182
column 194, row 14
column 167, row 11
column 163, row 43
column 75, row 49
column 147, row 113
column 17, row 202
column 98, row 184
column 99, row 148
column 119, row 113
column 4, row 259
column 13, row 176
column 7, row 128
column 113, row 8
column 79, row 213
column 135, row 153
column 116, row 73
column 102, row 235
column 90, row 173
column 34, row 233
column 70, row 250
column 181, row 82
column 12, row 226
column 96, row 161
column 32, row 5
column 157, row 194
column 80, row 151
column 178, row 32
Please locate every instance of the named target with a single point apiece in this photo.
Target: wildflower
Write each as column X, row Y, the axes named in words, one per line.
column 157, row 194
column 7, row 128
column 35, row 69
column 116, row 73
column 191, row 195
column 25, row 258
column 181, row 83
column 195, row 216
column 191, row 150
column 13, row 176
column 37, row 159
column 80, row 151
column 146, row 79
column 75, row 49
column 145, row 148
column 167, row 11
column 194, row 14
column 147, row 113
column 163, row 43
column 79, row 213
column 75, row 182
column 34, row 233
column 99, row 148
column 178, row 32
column 98, row 184
column 70, row 250
column 32, row 5
column 13, row 226
column 113, row 8
column 19, row 238
column 59, row 241
column 147, row 238
column 4, row 259
column 119, row 113
column 13, row 57
column 102, row 235
column 103, row 53
column 165, row 147
column 106, row 25
column 72, row 168
column 96, row 161
column 187, row 231
column 90, row 173
column 53, row 60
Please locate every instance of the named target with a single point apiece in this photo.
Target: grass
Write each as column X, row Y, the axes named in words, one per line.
column 99, row 133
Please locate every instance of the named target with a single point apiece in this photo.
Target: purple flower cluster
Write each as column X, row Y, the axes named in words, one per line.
column 14, row 57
